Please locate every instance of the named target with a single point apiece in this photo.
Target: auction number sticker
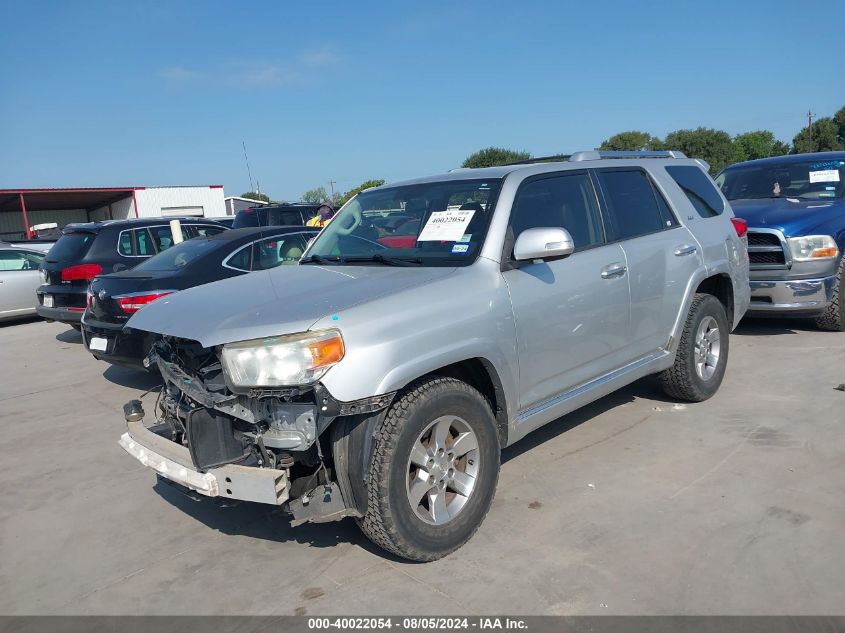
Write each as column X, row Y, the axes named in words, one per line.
column 445, row 226
column 825, row 175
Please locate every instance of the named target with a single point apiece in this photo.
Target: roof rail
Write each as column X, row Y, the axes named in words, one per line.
column 598, row 155
column 541, row 159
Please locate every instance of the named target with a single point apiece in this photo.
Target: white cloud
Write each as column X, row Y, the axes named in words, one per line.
column 179, row 74
column 318, row 57
column 255, row 73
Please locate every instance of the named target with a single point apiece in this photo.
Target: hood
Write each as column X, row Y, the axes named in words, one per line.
column 284, row 300
column 793, row 218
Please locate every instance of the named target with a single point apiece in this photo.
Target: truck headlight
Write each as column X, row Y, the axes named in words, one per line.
column 811, row 247
column 297, row 359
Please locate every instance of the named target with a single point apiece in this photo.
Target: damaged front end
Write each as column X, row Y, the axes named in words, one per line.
column 265, row 445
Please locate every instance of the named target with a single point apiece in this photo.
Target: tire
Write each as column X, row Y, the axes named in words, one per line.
column 833, row 319
column 76, row 326
column 391, row 520
column 687, row 379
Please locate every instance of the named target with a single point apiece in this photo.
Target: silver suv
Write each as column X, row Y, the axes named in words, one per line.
column 431, row 324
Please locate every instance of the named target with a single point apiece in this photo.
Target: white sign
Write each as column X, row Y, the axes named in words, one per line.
column 98, row 344
column 445, row 226
column 826, row 175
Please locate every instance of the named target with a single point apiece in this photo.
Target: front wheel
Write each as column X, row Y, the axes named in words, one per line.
column 702, row 352
column 434, row 468
column 833, row 318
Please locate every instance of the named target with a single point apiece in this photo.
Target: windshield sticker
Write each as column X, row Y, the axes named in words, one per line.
column 466, row 237
column 445, row 226
column 826, row 175
column 460, row 248
column 829, row 164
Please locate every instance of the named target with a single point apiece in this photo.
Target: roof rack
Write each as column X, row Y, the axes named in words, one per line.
column 541, row 159
column 598, row 155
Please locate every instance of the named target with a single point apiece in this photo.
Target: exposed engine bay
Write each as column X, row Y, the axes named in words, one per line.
column 279, row 429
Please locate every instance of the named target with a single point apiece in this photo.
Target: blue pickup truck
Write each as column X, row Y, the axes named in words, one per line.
column 795, row 209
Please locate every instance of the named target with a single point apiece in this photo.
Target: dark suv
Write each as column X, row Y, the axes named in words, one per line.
column 287, row 214
column 86, row 250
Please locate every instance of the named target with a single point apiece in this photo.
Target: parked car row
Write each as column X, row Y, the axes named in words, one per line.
column 375, row 369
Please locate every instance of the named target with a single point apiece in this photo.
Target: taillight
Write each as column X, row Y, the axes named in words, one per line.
column 134, row 302
column 741, row 226
column 81, row 272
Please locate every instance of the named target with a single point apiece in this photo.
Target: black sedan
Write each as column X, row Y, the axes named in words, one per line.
column 113, row 298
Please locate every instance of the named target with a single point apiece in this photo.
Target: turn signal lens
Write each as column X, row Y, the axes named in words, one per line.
column 327, row 351
column 134, row 302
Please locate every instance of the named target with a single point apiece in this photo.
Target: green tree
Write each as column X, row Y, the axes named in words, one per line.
column 714, row 146
column 254, row 195
column 316, row 195
column 630, row 141
column 364, row 185
column 491, row 156
column 759, row 144
column 821, row 136
column 839, row 119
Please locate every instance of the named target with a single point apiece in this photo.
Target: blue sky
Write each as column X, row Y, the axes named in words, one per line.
column 158, row 93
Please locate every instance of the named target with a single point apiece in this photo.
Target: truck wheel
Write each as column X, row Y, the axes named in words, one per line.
column 434, row 468
column 702, row 352
column 832, row 319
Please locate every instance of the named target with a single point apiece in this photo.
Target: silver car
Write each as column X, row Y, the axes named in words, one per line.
column 19, row 277
column 434, row 322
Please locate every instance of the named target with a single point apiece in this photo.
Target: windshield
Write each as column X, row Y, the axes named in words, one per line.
column 178, row 256
column 811, row 180
column 429, row 224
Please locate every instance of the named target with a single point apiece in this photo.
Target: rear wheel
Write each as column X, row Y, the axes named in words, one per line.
column 434, row 469
column 833, row 319
column 702, row 352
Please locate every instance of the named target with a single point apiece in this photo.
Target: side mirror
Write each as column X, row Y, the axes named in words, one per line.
column 543, row 243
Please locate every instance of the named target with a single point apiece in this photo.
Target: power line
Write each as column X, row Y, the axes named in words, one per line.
column 249, row 173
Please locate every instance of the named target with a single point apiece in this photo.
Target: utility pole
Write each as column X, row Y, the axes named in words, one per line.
column 810, row 116
column 332, row 183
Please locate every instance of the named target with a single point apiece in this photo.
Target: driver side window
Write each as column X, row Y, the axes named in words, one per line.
column 562, row 201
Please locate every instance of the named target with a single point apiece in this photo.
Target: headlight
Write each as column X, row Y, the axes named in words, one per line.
column 298, row 359
column 810, row 247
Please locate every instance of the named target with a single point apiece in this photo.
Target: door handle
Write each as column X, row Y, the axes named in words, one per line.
column 685, row 249
column 613, row 270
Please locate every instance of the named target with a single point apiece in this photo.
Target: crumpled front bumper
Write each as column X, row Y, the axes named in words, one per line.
column 799, row 295
column 173, row 461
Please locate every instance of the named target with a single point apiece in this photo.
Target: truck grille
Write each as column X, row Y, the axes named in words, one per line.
column 765, row 250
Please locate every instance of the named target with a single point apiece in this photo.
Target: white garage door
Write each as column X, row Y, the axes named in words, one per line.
column 182, row 211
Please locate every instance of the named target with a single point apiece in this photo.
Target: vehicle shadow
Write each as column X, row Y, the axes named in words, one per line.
column 265, row 522
column 773, row 326
column 131, row 377
column 646, row 388
column 70, row 335
column 13, row 321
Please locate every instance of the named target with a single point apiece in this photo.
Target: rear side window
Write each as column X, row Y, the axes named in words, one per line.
column 631, row 203
column 124, row 243
column 283, row 250
column 179, row 256
column 71, row 247
column 241, row 260
column 699, row 190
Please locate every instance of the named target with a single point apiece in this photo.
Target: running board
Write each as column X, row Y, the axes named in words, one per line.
column 545, row 412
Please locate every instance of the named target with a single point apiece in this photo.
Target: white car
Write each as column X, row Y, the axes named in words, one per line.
column 19, row 277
